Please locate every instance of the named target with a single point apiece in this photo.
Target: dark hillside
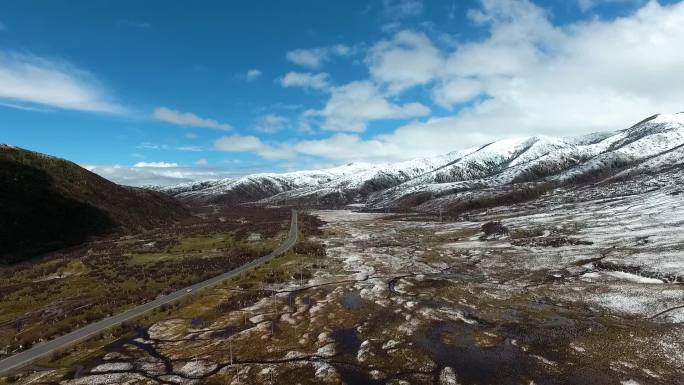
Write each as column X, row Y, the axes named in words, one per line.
column 47, row 203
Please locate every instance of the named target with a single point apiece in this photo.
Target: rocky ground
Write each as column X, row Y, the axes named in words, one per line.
column 559, row 291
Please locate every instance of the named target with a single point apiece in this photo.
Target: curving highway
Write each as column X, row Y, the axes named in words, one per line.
column 40, row 350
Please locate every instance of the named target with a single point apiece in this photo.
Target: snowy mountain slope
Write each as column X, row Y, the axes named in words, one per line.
column 538, row 159
column 664, row 161
column 357, row 186
column 342, row 184
column 546, row 160
column 258, row 186
column 641, row 142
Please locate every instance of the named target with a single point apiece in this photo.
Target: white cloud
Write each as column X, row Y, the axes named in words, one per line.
column 152, row 146
column 252, row 74
column 271, row 123
column 156, row 176
column 190, row 148
column 536, row 78
column 315, row 57
column 397, row 9
column 407, row 60
column 455, row 91
column 164, row 114
column 543, row 79
column 419, row 139
column 202, row 162
column 305, row 80
column 34, row 80
column 526, row 76
column 239, row 143
column 249, row 143
column 345, row 147
column 166, row 147
column 353, row 105
column 155, row 164
column 312, row 58
column 410, row 141
column 341, row 50
column 586, row 5
column 414, row 140
column 25, row 107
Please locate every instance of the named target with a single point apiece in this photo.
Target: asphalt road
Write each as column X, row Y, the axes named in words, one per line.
column 27, row 356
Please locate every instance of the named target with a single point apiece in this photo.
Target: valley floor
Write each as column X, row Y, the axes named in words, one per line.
column 565, row 291
column 69, row 288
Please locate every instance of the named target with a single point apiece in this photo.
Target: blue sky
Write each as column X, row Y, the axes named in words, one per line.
column 160, row 92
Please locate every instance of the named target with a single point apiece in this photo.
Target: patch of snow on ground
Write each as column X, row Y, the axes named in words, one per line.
column 633, row 277
column 111, row 367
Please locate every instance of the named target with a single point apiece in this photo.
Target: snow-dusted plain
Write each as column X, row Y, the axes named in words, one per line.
column 580, row 286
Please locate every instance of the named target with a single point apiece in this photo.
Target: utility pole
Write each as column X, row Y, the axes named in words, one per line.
column 274, row 315
column 230, row 346
column 301, row 273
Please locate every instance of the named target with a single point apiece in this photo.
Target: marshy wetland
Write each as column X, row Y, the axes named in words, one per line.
column 517, row 296
column 528, row 294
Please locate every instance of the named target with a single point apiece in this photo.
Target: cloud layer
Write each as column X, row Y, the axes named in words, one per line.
column 407, row 60
column 271, row 123
column 253, row 74
column 525, row 76
column 161, row 176
column 156, row 164
column 168, row 115
column 353, row 105
column 315, row 57
column 305, row 80
column 38, row 81
column 520, row 75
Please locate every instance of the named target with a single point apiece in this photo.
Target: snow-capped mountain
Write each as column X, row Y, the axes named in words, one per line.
column 343, row 184
column 650, row 144
column 258, row 186
column 547, row 160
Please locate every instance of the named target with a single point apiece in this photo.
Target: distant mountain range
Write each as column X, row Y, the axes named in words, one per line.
column 515, row 167
column 47, row 203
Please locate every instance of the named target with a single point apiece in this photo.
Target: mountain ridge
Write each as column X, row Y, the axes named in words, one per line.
column 534, row 159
